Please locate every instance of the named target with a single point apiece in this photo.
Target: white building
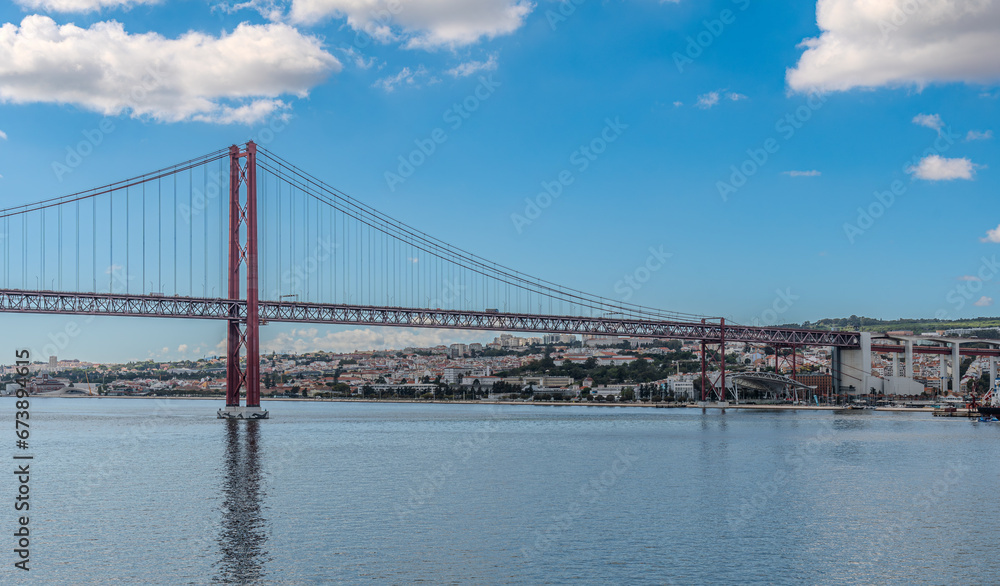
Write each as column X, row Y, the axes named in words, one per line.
column 484, row 381
column 453, row 376
column 682, row 388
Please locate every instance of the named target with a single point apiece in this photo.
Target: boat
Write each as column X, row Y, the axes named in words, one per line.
column 991, row 403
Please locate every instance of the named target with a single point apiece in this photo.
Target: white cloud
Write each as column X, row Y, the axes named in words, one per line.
column 360, row 61
column 310, row 339
column 419, row 23
column 812, row 173
column 711, row 99
column 473, row 67
column 876, row 43
column 79, row 5
column 992, row 236
column 244, row 114
column 969, row 278
column 182, row 349
column 273, row 10
column 232, row 78
column 984, row 301
column 406, row 76
column 678, row 104
column 708, row 100
column 3, row 135
column 977, row 135
column 938, row 168
column 932, row 121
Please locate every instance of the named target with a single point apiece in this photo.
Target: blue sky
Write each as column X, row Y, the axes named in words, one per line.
column 822, row 107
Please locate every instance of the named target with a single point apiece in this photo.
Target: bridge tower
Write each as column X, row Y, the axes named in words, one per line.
column 706, row 382
column 243, row 331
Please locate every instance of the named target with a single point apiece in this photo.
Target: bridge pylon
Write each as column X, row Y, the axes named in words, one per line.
column 243, row 331
column 707, row 386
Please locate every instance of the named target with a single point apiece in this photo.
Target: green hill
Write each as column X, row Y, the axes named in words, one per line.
column 917, row 326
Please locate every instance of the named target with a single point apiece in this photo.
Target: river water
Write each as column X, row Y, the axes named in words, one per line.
column 160, row 492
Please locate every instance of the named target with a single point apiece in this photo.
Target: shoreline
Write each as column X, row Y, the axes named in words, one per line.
column 512, row 403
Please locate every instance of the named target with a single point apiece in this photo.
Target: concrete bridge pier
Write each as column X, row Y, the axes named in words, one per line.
column 956, row 369
column 853, row 366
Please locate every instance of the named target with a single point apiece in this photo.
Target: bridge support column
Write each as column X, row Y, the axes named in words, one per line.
column 244, row 331
column 856, row 366
column 909, row 358
column 835, row 376
column 253, row 313
column 993, row 372
column 956, row 369
column 722, row 364
column 944, row 374
column 703, row 367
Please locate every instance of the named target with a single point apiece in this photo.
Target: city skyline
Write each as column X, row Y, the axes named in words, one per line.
column 677, row 106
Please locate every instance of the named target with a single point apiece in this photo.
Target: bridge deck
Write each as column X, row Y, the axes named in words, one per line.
column 49, row 302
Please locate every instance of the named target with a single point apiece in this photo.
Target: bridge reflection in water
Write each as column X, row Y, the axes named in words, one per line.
column 243, row 536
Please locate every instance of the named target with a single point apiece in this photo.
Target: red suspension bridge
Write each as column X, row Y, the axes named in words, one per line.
column 188, row 241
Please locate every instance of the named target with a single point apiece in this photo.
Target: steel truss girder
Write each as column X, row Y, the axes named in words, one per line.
column 942, row 350
column 186, row 307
